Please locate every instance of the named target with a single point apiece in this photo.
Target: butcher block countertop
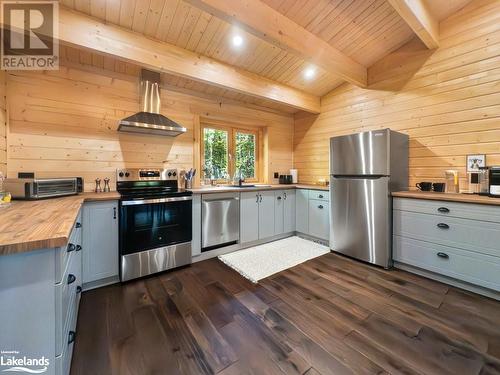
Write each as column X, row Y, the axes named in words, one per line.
column 47, row 223
column 448, row 197
column 259, row 187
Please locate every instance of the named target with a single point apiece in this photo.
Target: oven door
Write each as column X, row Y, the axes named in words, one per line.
column 154, row 223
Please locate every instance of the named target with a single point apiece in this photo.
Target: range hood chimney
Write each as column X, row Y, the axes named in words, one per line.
column 149, row 120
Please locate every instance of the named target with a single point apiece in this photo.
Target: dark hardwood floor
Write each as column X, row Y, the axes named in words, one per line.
column 330, row 315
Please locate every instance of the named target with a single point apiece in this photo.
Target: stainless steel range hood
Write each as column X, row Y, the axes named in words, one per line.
column 149, row 120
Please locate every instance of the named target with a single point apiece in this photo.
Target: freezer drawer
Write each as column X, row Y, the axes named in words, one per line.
column 220, row 220
column 360, row 211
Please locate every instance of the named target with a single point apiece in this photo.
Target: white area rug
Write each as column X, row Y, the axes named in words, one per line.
column 259, row 262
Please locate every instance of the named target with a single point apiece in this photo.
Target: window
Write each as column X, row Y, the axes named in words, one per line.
column 229, row 152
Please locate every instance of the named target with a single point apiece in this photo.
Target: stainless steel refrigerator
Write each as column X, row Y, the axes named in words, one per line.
column 364, row 169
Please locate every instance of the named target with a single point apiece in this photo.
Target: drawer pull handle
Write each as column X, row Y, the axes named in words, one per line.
column 78, row 289
column 320, row 207
column 320, row 196
column 279, row 198
column 443, row 226
column 71, row 337
column 78, row 248
column 257, row 195
column 443, row 255
column 444, row 210
column 284, row 196
column 71, row 278
column 78, row 225
column 71, row 247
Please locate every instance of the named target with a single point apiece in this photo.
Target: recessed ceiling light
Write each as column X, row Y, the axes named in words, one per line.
column 310, row 72
column 237, row 40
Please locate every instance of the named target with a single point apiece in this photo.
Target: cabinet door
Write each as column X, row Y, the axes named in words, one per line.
column 266, row 214
column 319, row 223
column 289, row 211
column 302, row 211
column 100, row 240
column 279, row 205
column 249, row 216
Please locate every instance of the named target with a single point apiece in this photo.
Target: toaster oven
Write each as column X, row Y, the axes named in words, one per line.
column 41, row 188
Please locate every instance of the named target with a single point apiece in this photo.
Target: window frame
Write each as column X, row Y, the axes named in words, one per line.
column 232, row 130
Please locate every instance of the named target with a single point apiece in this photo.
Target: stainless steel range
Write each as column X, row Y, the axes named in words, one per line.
column 155, row 222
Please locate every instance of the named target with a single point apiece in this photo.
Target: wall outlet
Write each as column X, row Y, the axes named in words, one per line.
column 276, row 174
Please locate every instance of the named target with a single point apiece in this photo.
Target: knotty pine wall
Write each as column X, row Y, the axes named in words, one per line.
column 63, row 123
column 447, row 100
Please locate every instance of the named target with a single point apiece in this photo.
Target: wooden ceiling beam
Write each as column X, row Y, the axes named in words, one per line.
column 268, row 24
column 418, row 17
column 82, row 31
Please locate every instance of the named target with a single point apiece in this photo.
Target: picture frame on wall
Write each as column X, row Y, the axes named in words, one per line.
column 474, row 162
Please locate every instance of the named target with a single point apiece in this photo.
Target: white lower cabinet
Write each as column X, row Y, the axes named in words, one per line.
column 100, row 241
column 266, row 214
column 318, row 218
column 457, row 240
column 313, row 213
column 249, row 217
column 279, row 212
column 289, row 211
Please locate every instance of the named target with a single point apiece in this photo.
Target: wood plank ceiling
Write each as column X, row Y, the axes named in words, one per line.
column 365, row 30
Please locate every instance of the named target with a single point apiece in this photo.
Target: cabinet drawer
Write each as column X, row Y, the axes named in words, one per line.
column 449, row 209
column 478, row 236
column 65, row 293
column 63, row 361
column 319, row 194
column 479, row 269
column 62, row 255
column 319, row 223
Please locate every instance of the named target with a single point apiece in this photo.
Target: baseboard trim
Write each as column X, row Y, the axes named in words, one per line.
column 100, row 283
column 449, row 280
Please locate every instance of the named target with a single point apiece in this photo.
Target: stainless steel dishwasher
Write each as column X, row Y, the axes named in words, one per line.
column 220, row 220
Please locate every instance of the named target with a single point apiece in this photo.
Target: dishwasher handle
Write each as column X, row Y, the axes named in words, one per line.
column 222, row 199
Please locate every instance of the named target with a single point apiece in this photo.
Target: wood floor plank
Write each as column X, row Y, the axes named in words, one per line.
column 330, row 315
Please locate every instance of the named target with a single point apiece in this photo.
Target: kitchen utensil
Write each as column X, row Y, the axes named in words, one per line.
column 452, row 182
column 424, row 186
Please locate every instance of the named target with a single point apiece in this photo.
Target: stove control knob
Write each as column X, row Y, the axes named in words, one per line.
column 120, row 174
column 174, row 174
column 127, row 174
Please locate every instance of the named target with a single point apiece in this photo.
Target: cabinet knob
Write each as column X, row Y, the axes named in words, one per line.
column 78, row 225
column 443, row 226
column 443, row 210
column 320, row 207
column 320, row 196
column 443, row 255
column 71, row 278
column 278, row 198
column 78, row 247
column 78, row 289
column 71, row 337
column 71, row 247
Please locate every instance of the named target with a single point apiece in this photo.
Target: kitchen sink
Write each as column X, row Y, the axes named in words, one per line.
column 248, row 186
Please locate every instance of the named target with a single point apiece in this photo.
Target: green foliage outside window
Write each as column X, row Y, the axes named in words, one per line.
column 245, row 155
column 216, row 153
column 216, row 162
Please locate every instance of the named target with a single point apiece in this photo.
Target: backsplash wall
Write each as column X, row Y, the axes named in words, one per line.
column 447, row 100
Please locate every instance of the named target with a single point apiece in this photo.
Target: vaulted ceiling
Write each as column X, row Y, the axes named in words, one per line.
column 363, row 30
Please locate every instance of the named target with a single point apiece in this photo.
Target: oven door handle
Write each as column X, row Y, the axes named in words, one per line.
column 156, row 200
